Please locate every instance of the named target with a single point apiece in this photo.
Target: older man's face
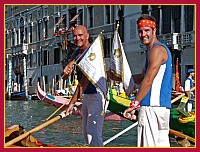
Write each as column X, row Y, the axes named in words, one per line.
column 80, row 37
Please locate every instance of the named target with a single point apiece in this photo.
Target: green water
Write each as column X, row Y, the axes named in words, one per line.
column 65, row 132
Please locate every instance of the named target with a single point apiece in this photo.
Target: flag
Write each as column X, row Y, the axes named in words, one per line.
column 92, row 64
column 178, row 85
column 119, row 64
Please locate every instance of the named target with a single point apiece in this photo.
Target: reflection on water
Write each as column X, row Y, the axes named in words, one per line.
column 65, row 132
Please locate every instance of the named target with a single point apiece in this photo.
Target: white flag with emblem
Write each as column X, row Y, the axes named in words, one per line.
column 93, row 66
column 119, row 64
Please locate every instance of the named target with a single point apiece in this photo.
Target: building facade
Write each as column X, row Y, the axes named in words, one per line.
column 42, row 34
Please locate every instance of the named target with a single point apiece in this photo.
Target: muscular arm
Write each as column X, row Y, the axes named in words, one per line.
column 157, row 56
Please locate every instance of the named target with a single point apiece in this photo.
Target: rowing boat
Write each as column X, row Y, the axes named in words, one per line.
column 183, row 123
column 16, row 96
column 14, row 131
column 178, row 121
column 58, row 101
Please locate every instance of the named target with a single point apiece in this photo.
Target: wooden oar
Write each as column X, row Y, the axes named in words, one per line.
column 181, row 95
column 179, row 134
column 11, row 142
column 57, row 110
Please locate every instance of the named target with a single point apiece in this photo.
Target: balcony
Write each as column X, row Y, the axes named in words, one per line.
column 20, row 49
column 178, row 40
column 188, row 38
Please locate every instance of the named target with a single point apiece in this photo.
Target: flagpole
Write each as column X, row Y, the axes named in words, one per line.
column 126, row 79
column 117, row 26
column 107, row 99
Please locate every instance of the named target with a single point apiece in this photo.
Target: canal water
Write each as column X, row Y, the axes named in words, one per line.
column 66, row 132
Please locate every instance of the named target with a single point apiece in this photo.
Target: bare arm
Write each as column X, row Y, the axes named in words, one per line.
column 157, row 56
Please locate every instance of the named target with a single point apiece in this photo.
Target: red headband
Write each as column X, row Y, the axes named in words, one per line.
column 148, row 23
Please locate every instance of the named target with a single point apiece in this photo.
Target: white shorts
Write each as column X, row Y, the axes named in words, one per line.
column 153, row 127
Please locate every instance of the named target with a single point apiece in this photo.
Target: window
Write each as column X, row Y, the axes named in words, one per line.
column 13, row 38
column 21, row 30
column 39, row 31
column 72, row 13
column 107, row 48
column 80, row 18
column 46, row 79
column 108, row 12
column 56, row 9
column 166, row 13
column 17, row 33
column 34, row 58
column 38, row 59
column 25, row 36
column 64, row 22
column 57, row 27
column 176, row 16
column 189, row 18
column 45, row 29
column 30, row 17
column 31, row 34
column 155, row 12
column 46, row 57
column 39, row 14
column 30, row 57
column 21, row 35
column 90, row 11
column 56, row 55
column 46, row 12
column 145, row 9
column 30, row 82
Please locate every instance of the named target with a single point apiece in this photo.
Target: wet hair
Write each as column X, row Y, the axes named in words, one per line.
column 146, row 16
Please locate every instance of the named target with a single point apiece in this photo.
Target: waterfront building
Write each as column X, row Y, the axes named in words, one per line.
column 43, row 35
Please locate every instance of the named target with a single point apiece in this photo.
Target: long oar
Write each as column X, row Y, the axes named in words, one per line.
column 11, row 142
column 179, row 134
column 57, row 110
column 181, row 95
column 120, row 133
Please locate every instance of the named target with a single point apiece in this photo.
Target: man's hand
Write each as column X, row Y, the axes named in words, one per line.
column 69, row 109
column 68, row 70
column 129, row 114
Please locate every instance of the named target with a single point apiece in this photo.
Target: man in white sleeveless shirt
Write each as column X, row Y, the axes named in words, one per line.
column 153, row 100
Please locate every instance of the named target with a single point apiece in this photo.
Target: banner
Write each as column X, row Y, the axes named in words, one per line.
column 119, row 64
column 93, row 66
column 178, row 85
